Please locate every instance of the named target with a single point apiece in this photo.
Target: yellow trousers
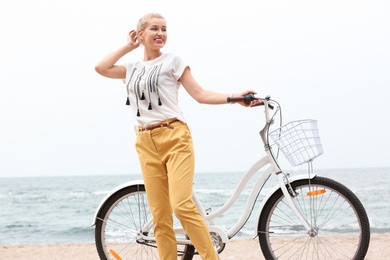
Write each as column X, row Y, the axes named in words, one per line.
column 166, row 155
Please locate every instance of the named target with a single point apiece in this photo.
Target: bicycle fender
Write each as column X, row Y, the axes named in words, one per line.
column 272, row 191
column 113, row 191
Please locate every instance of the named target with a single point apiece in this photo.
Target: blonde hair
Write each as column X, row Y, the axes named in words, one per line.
column 143, row 22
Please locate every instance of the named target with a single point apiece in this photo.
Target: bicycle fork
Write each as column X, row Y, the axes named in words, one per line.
column 290, row 196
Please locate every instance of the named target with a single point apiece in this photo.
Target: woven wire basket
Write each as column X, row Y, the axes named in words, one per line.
column 299, row 141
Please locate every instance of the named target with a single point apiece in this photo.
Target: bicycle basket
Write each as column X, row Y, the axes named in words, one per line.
column 299, row 141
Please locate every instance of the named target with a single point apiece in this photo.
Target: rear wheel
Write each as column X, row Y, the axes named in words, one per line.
column 339, row 225
column 118, row 228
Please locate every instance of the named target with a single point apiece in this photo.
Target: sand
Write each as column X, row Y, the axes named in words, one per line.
column 235, row 249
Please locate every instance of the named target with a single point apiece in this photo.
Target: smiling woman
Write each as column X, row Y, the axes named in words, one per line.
column 164, row 141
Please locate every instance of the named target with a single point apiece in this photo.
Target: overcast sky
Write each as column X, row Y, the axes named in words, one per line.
column 325, row 60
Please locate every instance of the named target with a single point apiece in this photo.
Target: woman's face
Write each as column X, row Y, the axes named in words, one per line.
column 155, row 34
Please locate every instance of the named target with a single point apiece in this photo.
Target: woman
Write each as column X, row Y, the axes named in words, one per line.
column 164, row 143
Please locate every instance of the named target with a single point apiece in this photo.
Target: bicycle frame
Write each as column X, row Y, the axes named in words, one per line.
column 268, row 159
column 282, row 179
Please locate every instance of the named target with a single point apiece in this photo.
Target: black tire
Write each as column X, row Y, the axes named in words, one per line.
column 189, row 252
column 340, row 226
column 119, row 223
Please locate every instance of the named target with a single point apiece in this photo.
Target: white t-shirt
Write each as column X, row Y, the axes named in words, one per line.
column 152, row 89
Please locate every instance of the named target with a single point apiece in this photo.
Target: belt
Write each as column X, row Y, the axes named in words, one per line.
column 162, row 124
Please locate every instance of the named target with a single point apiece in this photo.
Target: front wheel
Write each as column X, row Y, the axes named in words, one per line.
column 119, row 224
column 339, row 224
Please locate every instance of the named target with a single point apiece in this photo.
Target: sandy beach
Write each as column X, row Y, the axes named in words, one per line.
column 235, row 249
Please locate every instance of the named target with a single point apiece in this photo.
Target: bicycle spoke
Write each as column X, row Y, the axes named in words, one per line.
column 124, row 228
column 338, row 223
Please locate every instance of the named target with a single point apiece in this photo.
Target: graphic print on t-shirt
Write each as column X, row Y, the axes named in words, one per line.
column 142, row 84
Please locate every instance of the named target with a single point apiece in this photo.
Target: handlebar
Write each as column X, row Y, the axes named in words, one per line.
column 269, row 104
column 269, row 118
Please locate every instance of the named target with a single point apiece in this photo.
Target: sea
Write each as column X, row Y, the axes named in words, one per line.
column 52, row 210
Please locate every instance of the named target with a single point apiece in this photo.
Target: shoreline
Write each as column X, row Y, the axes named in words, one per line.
column 235, row 249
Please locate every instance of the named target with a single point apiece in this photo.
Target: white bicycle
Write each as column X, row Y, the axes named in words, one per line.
column 302, row 217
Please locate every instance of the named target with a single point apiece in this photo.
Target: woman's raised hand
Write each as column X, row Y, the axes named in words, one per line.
column 132, row 39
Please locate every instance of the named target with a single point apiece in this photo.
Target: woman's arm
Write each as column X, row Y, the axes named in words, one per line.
column 204, row 96
column 107, row 66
